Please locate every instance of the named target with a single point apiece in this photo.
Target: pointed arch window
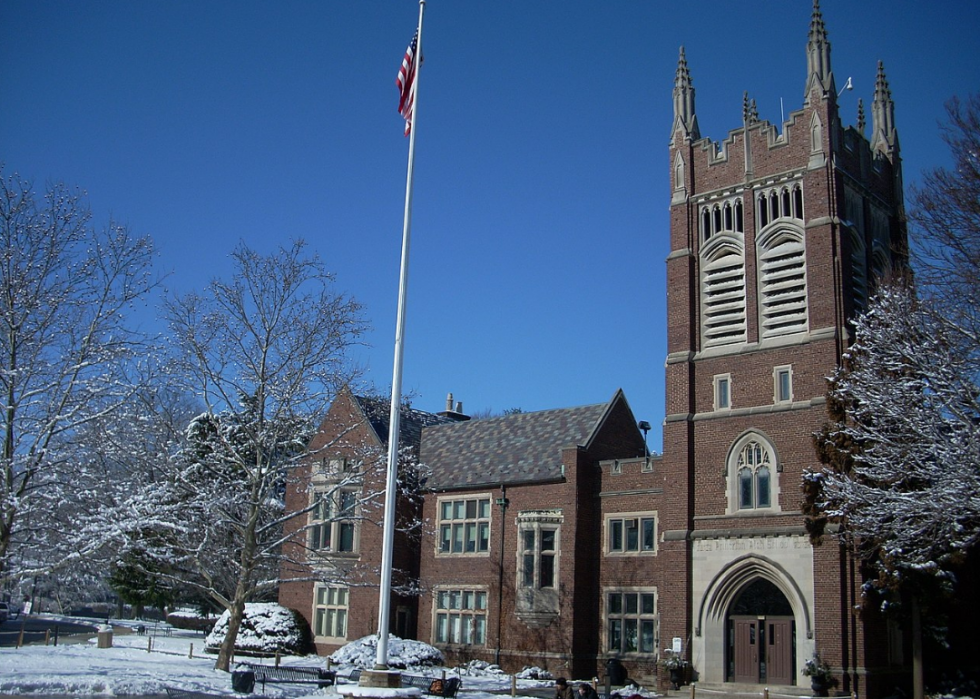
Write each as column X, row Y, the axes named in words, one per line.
column 798, row 202
column 753, row 472
column 816, row 135
column 678, row 172
column 786, row 202
column 754, row 487
column 722, row 217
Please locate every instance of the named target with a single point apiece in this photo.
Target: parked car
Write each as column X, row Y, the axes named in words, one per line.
column 4, row 612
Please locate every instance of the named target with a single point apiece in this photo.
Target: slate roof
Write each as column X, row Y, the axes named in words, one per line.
column 520, row 448
column 410, row 423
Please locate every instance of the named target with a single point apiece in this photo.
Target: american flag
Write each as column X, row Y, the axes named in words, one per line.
column 406, row 83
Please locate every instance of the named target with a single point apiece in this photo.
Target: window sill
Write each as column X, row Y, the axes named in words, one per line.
column 316, row 556
column 458, row 646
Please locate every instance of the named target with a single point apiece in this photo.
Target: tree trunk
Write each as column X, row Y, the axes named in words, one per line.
column 237, row 610
column 235, row 614
column 918, row 683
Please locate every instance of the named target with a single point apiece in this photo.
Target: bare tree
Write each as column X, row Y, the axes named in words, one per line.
column 66, row 349
column 946, row 223
column 264, row 352
column 902, row 447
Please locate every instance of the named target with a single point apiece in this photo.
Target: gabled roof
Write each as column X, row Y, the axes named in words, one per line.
column 377, row 411
column 520, row 448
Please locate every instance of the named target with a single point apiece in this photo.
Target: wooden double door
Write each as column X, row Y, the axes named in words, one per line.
column 761, row 649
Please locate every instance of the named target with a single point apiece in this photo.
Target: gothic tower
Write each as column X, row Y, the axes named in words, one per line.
column 777, row 235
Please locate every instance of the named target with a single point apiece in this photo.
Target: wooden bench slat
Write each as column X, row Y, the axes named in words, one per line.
column 291, row 674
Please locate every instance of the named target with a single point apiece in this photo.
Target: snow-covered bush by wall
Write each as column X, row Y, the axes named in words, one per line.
column 533, row 672
column 266, row 628
column 402, row 654
column 190, row 619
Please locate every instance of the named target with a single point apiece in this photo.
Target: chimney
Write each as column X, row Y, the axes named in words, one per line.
column 454, row 413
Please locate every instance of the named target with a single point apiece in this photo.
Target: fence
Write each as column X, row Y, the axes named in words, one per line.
column 49, row 636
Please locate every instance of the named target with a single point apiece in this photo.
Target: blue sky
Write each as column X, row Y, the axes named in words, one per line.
column 540, row 211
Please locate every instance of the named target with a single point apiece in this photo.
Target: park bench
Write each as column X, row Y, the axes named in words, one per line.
column 353, row 676
column 432, row 686
column 289, row 674
column 435, row 687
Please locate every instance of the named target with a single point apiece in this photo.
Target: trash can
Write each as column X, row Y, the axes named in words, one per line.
column 243, row 681
column 615, row 671
column 104, row 636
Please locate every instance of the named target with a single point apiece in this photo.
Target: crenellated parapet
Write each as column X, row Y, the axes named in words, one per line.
column 759, row 149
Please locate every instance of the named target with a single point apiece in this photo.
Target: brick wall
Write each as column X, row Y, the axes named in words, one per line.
column 346, row 433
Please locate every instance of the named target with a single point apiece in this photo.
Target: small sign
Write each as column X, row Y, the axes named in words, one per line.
column 676, row 645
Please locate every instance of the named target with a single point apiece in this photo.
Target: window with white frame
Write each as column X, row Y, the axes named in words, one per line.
column 783, row 384
column 333, row 523
column 539, row 546
column 464, row 525
column 631, row 534
column 330, row 611
column 723, row 392
column 333, row 466
column 538, row 551
column 461, row 616
column 631, row 620
column 753, row 475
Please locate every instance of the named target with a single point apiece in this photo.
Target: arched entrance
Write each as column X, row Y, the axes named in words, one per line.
column 761, row 636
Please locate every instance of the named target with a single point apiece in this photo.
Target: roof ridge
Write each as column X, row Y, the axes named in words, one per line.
column 516, row 416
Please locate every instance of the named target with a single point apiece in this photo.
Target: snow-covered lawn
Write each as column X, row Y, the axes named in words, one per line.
column 81, row 669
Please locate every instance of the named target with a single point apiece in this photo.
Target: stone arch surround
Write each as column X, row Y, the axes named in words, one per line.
column 726, row 570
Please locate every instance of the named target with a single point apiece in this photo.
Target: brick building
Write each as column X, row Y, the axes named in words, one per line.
column 554, row 538
column 331, row 558
column 512, row 561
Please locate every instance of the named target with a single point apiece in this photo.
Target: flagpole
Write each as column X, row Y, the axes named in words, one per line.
column 384, row 603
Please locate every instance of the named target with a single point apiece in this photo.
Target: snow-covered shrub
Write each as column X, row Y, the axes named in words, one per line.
column 266, row 628
column 534, row 672
column 402, row 654
column 190, row 620
column 480, row 668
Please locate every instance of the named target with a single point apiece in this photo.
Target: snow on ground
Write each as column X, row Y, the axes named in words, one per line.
column 80, row 668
